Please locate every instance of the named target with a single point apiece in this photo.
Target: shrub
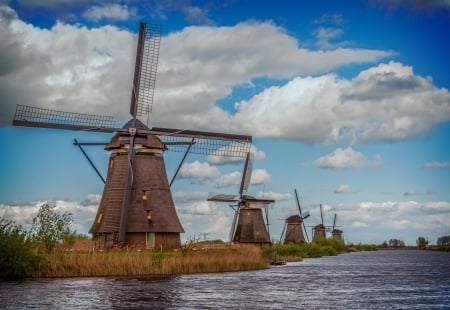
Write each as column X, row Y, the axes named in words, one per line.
column 18, row 260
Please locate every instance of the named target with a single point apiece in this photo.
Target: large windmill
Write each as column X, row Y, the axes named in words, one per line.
column 137, row 207
column 293, row 230
column 319, row 229
column 248, row 224
column 336, row 233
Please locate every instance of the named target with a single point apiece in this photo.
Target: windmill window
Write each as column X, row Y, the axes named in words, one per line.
column 99, row 219
column 144, row 195
column 149, row 216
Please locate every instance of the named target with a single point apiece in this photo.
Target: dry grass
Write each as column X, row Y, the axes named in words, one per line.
column 150, row 263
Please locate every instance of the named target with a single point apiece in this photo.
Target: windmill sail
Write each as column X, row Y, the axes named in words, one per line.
column 145, row 69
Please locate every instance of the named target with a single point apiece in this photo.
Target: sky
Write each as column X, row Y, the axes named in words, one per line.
column 348, row 102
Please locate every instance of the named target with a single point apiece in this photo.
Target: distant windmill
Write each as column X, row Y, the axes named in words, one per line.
column 137, row 207
column 293, row 230
column 248, row 224
column 319, row 229
column 336, row 233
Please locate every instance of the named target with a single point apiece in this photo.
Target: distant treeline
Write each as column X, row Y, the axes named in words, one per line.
column 443, row 241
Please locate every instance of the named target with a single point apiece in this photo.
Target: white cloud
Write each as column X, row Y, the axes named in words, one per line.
column 374, row 106
column 111, row 11
column 216, row 159
column 274, row 196
column 90, row 70
column 359, row 224
column 437, row 165
column 200, row 208
column 229, row 179
column 198, row 170
column 346, row 158
column 344, row 189
column 258, row 177
column 189, row 196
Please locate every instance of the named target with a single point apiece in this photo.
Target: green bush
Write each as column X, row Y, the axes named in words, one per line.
column 18, row 260
column 321, row 247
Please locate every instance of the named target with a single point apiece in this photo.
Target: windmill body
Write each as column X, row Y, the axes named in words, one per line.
column 248, row 224
column 294, row 225
column 319, row 231
column 294, row 230
column 336, row 233
column 152, row 221
column 137, row 207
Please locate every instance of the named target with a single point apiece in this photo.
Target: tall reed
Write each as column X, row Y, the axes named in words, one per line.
column 150, row 263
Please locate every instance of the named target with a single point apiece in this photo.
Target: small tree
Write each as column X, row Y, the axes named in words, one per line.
column 422, row 242
column 50, row 227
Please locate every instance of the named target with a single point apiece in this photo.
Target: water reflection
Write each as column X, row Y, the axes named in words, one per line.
column 406, row 279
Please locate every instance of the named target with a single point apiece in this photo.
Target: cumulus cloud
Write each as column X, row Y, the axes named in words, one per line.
column 359, row 224
column 258, row 177
column 274, row 196
column 344, row 189
column 346, row 158
column 95, row 78
column 374, row 106
column 195, row 73
column 198, row 170
column 217, row 159
column 110, row 11
column 199, row 208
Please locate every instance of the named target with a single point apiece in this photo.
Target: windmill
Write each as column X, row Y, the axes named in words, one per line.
column 319, row 229
column 336, row 233
column 137, row 208
column 293, row 230
column 248, row 224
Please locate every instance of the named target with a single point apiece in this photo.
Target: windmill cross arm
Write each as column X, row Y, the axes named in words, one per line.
column 199, row 134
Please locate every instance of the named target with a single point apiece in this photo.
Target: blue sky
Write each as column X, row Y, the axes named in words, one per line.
column 347, row 101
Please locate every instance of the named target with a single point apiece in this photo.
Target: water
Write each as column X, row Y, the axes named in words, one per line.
column 397, row 279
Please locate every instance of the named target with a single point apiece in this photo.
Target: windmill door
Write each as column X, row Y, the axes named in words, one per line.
column 150, row 241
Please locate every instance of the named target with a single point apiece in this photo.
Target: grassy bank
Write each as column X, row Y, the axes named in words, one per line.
column 296, row 252
column 150, row 263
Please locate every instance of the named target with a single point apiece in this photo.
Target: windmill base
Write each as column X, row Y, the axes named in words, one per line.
column 139, row 241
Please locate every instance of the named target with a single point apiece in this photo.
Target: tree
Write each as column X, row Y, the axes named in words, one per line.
column 422, row 242
column 17, row 260
column 443, row 241
column 396, row 243
column 50, row 227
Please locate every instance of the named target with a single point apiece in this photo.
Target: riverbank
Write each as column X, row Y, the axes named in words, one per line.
column 122, row 263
